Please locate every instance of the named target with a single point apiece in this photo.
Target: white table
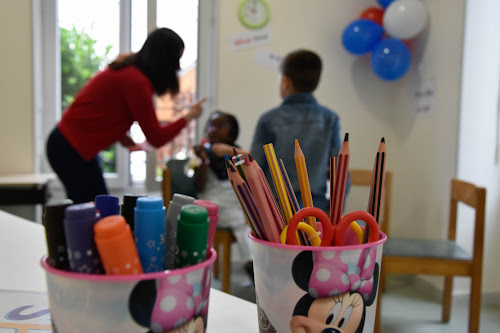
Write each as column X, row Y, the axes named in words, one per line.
column 22, row 244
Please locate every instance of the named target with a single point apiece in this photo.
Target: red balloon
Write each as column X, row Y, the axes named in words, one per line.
column 373, row 13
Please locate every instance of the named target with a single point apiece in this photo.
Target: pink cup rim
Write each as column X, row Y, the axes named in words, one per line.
column 44, row 262
column 382, row 239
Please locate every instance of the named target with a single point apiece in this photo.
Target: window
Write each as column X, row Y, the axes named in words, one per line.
column 113, row 27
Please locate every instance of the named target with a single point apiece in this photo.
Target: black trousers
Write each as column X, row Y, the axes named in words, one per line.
column 82, row 180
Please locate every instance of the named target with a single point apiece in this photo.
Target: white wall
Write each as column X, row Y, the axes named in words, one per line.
column 422, row 151
column 16, row 82
column 480, row 124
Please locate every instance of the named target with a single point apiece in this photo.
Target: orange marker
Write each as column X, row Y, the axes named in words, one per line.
column 116, row 246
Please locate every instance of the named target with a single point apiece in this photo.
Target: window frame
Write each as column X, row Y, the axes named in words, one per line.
column 46, row 72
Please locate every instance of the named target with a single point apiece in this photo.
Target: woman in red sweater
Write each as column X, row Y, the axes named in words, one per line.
column 105, row 108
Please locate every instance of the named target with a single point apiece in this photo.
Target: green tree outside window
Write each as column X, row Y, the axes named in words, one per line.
column 79, row 62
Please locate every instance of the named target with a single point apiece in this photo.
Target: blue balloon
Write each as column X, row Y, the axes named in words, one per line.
column 361, row 36
column 385, row 3
column 390, row 59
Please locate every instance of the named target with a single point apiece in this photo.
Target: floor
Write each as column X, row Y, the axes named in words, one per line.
column 404, row 309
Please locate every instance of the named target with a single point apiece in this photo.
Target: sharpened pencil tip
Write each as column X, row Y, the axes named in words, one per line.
column 346, row 137
column 234, row 152
column 250, row 157
column 296, row 142
column 226, row 157
column 383, row 140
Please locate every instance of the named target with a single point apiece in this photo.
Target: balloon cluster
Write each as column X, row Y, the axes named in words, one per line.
column 383, row 32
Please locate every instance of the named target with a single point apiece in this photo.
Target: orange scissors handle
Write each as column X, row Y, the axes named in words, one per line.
column 300, row 215
column 345, row 222
column 331, row 235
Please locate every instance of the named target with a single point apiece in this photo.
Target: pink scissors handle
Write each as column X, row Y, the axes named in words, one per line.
column 345, row 222
column 300, row 215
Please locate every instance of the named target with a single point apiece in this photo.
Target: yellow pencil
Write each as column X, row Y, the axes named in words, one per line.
column 278, row 181
column 305, row 189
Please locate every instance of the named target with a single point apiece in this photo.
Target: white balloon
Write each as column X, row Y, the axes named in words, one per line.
column 405, row 19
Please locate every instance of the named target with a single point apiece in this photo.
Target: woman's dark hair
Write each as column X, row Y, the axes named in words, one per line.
column 158, row 59
column 303, row 67
column 234, row 129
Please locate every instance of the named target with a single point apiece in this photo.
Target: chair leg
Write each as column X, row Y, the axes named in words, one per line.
column 226, row 265
column 475, row 303
column 216, row 262
column 383, row 281
column 376, row 329
column 448, row 286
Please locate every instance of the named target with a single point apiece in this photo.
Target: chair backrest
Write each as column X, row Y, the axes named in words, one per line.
column 474, row 197
column 175, row 180
column 363, row 177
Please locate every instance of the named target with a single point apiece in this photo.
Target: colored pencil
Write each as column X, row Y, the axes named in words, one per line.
column 239, row 163
column 293, row 200
column 248, row 202
column 377, row 185
column 259, row 195
column 229, row 167
column 340, row 181
column 333, row 172
column 278, row 181
column 271, row 200
column 305, row 189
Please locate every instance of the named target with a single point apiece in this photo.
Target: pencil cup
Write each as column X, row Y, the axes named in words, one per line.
column 167, row 301
column 316, row 288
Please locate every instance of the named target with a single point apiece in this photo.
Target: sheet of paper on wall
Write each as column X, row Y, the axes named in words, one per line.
column 268, row 59
column 424, row 98
column 250, row 39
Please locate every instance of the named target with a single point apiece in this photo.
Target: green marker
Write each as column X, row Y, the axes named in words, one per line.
column 192, row 235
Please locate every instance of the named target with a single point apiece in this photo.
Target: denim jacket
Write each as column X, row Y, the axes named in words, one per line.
column 317, row 129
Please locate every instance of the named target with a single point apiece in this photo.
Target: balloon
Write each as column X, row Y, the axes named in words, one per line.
column 385, row 3
column 360, row 36
column 373, row 13
column 390, row 59
column 405, row 19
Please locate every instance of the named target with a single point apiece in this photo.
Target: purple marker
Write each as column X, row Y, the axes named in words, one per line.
column 79, row 220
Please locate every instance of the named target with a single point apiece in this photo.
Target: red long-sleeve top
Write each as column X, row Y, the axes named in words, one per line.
column 106, row 107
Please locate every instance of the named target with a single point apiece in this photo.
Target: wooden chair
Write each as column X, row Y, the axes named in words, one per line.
column 444, row 257
column 223, row 237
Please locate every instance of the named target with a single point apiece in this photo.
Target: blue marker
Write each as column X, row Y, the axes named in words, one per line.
column 79, row 220
column 107, row 205
column 149, row 232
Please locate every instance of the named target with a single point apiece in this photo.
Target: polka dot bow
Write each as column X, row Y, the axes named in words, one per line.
column 179, row 299
column 335, row 274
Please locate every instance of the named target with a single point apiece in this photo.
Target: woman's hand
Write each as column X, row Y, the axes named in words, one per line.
column 195, row 110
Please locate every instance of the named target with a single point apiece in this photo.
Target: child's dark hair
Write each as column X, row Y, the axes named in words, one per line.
column 158, row 59
column 303, row 67
column 234, row 129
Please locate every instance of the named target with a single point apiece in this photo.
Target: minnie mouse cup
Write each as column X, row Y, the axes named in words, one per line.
column 167, row 301
column 316, row 288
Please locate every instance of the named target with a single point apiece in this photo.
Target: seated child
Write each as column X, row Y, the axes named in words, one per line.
column 212, row 183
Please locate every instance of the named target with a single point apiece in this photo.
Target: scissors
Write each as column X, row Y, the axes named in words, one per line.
column 332, row 235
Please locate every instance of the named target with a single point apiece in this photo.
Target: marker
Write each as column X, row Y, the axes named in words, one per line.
column 79, row 220
column 53, row 221
column 192, row 235
column 213, row 216
column 150, row 233
column 174, row 209
column 116, row 246
column 127, row 208
column 107, row 205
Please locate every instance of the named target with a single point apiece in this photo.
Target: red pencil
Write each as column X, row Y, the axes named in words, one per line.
column 340, row 181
